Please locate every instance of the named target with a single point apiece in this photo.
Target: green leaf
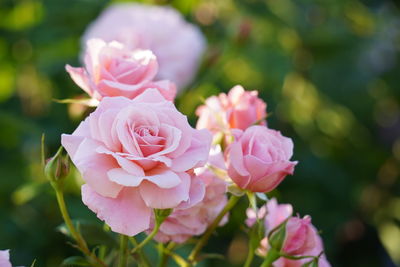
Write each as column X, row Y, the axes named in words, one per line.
column 75, row 261
column 33, row 263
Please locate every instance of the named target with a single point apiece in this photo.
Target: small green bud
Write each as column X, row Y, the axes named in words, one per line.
column 57, row 167
column 278, row 237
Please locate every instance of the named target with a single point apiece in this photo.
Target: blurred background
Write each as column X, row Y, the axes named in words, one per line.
column 329, row 71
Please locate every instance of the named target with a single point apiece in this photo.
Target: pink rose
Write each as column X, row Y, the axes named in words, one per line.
column 276, row 214
column 5, row 258
column 258, row 158
column 239, row 109
column 301, row 237
column 283, row 262
column 177, row 44
column 112, row 70
column 134, row 156
column 315, row 251
column 272, row 213
column 191, row 219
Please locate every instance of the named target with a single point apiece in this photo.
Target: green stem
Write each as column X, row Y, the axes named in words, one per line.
column 123, row 251
column 250, row 257
column 162, row 255
column 142, row 261
column 147, row 239
column 178, row 259
column 71, row 228
column 272, row 256
column 204, row 239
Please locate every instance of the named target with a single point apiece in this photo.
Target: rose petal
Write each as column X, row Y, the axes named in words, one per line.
column 79, row 76
column 94, row 168
column 197, row 153
column 127, row 214
column 163, row 198
column 150, row 96
column 236, row 159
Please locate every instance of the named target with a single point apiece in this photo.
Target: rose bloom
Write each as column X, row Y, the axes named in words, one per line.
column 308, row 232
column 112, row 70
column 134, row 156
column 258, row 158
column 238, row 109
column 177, row 44
column 5, row 258
column 301, row 238
column 192, row 218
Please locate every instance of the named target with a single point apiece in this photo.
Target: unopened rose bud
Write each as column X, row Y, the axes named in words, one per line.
column 278, row 237
column 57, row 167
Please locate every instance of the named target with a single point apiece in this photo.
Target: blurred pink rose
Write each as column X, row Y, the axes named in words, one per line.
column 258, row 158
column 276, row 214
column 283, row 262
column 272, row 213
column 5, row 258
column 238, row 109
column 134, row 156
column 112, row 70
column 301, row 237
column 177, row 44
column 315, row 251
column 191, row 219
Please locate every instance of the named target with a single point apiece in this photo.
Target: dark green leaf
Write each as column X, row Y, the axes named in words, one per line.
column 75, row 261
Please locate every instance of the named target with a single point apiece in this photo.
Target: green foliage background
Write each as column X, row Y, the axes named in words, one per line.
column 329, row 71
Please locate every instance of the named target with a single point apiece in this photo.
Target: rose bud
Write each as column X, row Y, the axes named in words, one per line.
column 258, row 158
column 301, row 236
column 57, row 167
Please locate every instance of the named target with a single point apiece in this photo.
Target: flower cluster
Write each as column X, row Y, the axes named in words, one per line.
column 146, row 170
